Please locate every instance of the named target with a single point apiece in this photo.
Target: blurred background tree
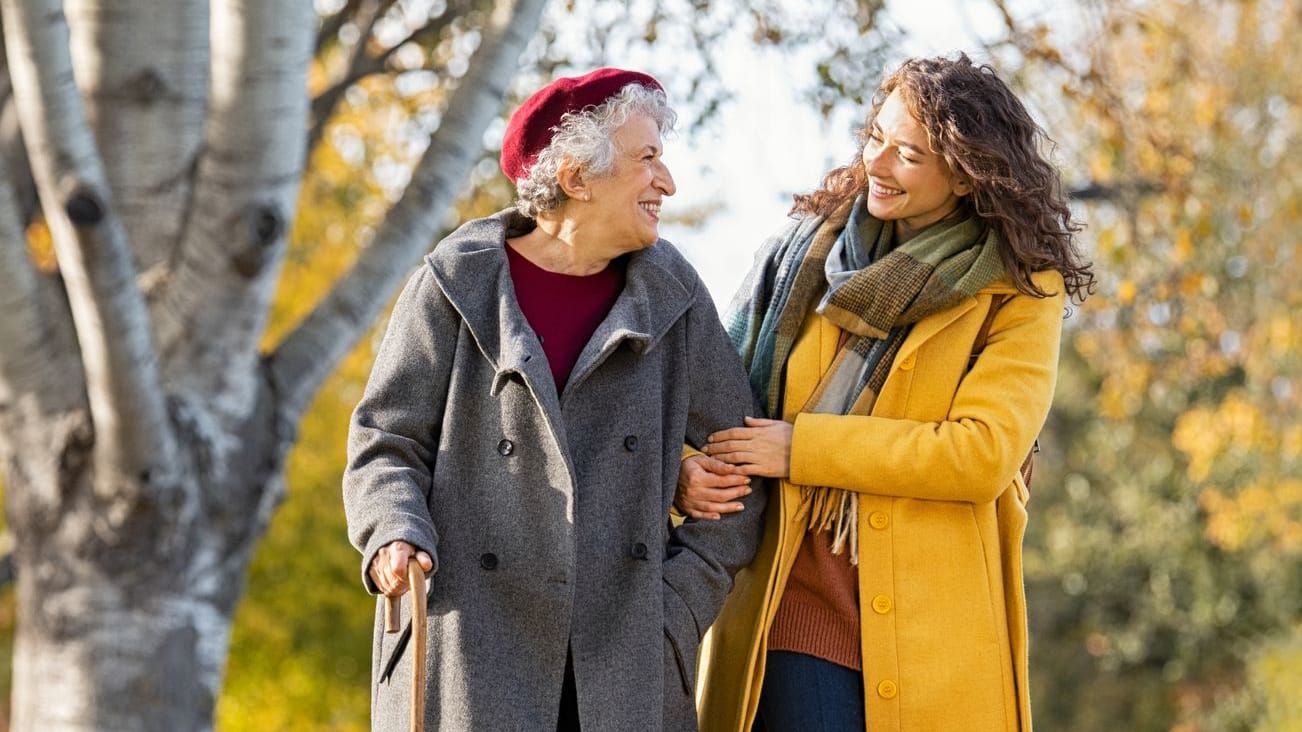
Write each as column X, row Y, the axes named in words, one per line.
column 1164, row 552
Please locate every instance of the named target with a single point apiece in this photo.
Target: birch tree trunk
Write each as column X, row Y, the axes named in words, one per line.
column 142, row 432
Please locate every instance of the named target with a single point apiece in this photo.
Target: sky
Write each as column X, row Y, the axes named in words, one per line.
column 769, row 143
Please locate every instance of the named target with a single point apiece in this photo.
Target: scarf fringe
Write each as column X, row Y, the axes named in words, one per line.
column 837, row 511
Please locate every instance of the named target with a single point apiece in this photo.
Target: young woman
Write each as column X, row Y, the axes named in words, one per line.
column 903, row 334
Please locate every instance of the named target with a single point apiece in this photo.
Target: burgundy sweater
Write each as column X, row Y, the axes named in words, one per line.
column 564, row 310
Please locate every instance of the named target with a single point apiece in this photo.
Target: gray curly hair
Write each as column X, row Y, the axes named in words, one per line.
column 585, row 138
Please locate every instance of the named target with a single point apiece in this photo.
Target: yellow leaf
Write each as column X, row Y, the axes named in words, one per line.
column 1126, row 292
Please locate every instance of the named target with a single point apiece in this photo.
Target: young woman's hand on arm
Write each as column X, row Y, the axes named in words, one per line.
column 762, row 447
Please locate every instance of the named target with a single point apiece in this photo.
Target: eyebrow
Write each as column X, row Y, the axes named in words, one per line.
column 900, row 143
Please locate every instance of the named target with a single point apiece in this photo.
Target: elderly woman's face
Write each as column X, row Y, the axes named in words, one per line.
column 626, row 203
column 908, row 182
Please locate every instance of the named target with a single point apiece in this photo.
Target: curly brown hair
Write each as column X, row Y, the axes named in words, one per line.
column 983, row 131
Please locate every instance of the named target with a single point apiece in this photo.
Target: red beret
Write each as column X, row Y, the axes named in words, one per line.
column 531, row 127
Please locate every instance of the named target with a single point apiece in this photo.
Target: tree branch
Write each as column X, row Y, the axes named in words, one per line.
column 142, row 67
column 6, row 559
column 427, row 32
column 307, row 355
column 133, row 438
column 31, row 362
column 331, row 25
column 360, row 65
column 13, row 158
column 245, row 191
column 1116, row 191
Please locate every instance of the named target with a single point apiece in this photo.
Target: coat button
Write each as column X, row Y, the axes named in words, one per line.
column 881, row 604
column 878, row 520
column 630, row 443
column 887, row 689
column 907, row 362
column 488, row 560
column 638, row 551
column 505, row 447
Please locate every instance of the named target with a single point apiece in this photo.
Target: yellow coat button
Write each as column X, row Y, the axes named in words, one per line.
column 887, row 689
column 881, row 604
column 907, row 362
column 878, row 520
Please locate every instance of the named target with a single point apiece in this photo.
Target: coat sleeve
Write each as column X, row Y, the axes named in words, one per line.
column 971, row 455
column 703, row 556
column 394, row 432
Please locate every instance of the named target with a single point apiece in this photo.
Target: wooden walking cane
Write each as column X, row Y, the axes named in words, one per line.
column 392, row 610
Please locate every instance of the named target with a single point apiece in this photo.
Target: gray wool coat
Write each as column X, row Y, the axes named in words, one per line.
column 546, row 515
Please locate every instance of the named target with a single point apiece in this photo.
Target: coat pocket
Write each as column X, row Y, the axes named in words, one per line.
column 681, row 641
column 395, row 655
column 679, row 665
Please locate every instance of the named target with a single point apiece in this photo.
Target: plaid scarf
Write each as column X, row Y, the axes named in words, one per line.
column 874, row 292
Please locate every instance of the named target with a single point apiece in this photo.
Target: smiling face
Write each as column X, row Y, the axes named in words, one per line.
column 623, row 206
column 908, row 182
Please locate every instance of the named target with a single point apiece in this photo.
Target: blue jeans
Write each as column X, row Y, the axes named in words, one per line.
column 806, row 694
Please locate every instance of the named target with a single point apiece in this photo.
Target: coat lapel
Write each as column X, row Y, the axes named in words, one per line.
column 470, row 267
column 652, row 301
column 928, row 327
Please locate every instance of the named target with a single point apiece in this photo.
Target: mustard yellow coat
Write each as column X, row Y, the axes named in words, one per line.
column 942, row 511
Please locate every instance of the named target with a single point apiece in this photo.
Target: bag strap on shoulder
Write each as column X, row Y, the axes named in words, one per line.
column 979, row 345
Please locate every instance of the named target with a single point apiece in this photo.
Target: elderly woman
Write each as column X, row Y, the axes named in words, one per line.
column 903, row 331
column 521, row 433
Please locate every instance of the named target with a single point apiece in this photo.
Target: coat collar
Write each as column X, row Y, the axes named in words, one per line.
column 470, row 267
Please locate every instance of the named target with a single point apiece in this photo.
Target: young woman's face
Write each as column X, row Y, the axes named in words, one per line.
column 908, row 183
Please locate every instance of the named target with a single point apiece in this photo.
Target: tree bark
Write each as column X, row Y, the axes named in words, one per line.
column 142, row 432
column 134, row 447
column 142, row 67
column 246, row 188
column 124, row 617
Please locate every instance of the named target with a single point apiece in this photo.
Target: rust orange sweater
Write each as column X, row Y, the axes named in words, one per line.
column 819, row 611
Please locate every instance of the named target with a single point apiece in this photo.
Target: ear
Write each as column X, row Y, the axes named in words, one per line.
column 961, row 184
column 573, row 181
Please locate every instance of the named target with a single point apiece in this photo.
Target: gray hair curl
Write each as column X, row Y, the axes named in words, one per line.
column 584, row 138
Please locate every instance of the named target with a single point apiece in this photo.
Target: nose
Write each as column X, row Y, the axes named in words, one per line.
column 664, row 180
column 875, row 163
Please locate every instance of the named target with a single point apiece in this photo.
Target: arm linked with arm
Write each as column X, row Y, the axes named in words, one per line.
column 703, row 555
